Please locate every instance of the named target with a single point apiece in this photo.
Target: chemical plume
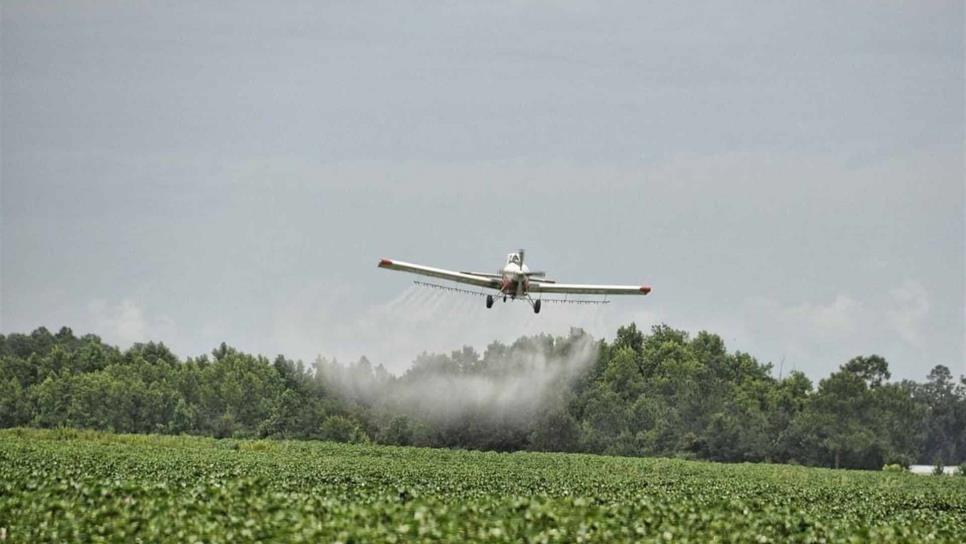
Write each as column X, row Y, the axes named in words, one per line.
column 507, row 388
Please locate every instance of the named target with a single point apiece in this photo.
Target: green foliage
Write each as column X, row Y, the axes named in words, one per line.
column 342, row 429
column 82, row 486
column 398, row 433
column 661, row 392
column 893, row 468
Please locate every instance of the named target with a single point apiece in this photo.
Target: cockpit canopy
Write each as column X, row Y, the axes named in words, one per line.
column 513, row 258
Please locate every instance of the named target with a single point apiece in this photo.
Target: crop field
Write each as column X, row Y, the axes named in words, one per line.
column 84, row 486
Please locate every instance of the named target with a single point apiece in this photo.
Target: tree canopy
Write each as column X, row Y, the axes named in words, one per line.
column 658, row 393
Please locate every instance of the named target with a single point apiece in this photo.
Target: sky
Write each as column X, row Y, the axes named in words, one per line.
column 789, row 175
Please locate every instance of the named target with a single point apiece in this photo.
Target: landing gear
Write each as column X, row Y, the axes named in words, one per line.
column 535, row 304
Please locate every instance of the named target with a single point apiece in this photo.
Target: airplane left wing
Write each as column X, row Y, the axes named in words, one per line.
column 579, row 289
column 459, row 277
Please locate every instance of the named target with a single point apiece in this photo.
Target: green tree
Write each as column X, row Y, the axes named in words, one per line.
column 872, row 369
column 399, row 432
column 944, row 416
column 342, row 429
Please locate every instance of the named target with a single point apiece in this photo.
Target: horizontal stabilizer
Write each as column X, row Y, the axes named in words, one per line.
column 483, row 274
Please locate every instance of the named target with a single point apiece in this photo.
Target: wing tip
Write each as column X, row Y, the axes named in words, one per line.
column 645, row 289
column 384, row 263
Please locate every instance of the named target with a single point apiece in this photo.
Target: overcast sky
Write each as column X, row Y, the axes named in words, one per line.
column 788, row 175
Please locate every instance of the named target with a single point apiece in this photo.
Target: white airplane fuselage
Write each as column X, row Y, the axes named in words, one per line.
column 514, row 282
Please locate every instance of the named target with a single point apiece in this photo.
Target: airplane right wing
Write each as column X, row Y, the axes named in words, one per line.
column 587, row 289
column 459, row 277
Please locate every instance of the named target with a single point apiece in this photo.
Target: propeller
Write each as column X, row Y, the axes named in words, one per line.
column 536, row 274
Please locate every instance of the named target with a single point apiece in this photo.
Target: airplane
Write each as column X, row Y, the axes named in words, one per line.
column 513, row 281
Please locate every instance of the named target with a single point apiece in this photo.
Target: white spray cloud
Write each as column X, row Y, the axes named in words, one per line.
column 510, row 385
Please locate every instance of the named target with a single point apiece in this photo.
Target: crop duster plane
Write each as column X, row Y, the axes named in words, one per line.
column 515, row 281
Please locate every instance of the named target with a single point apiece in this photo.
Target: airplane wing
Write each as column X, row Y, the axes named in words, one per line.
column 582, row 289
column 460, row 277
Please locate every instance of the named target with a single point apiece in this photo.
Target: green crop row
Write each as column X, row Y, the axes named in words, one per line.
column 79, row 486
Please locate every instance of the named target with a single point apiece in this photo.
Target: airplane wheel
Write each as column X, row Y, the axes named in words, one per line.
column 504, row 298
column 536, row 306
column 489, row 301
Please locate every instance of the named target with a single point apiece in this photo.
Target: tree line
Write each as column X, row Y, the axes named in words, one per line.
column 657, row 393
